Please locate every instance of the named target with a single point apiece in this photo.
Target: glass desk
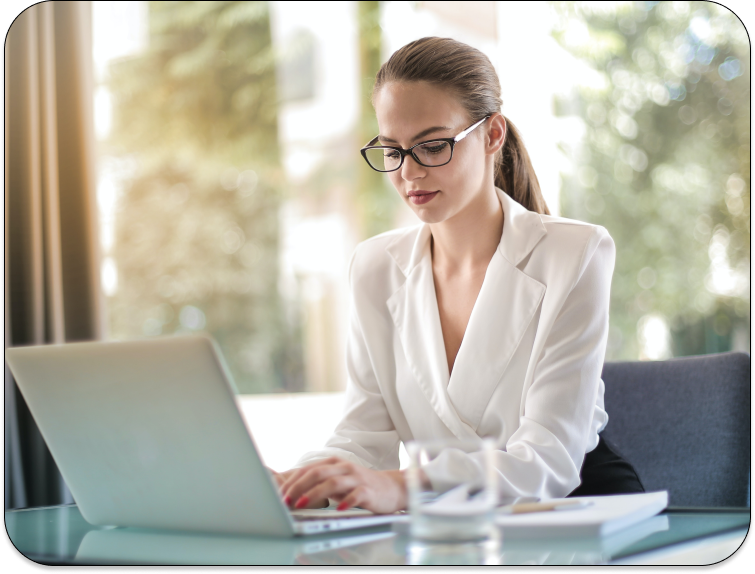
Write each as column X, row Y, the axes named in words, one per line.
column 59, row 535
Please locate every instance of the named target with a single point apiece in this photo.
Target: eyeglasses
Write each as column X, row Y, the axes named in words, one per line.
column 433, row 153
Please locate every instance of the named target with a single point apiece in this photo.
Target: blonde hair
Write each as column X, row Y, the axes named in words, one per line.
column 470, row 76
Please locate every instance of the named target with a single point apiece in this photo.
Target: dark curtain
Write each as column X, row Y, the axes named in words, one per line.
column 52, row 292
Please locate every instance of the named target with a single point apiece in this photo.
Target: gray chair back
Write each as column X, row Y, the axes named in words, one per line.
column 685, row 426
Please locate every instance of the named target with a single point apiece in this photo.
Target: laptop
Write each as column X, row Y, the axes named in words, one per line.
column 147, row 434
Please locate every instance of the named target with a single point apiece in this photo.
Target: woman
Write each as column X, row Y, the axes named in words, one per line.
column 489, row 319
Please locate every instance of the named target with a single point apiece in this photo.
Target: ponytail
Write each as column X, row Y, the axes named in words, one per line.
column 514, row 172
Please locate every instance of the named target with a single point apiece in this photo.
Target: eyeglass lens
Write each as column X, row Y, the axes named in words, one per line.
column 430, row 154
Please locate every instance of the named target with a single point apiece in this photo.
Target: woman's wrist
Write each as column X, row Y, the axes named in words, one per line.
column 399, row 478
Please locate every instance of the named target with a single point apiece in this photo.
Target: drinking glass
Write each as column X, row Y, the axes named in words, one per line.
column 453, row 490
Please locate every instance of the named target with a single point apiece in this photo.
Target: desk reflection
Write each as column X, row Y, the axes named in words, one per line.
column 582, row 551
column 142, row 546
column 376, row 546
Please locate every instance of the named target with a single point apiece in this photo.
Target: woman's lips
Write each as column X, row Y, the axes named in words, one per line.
column 420, row 197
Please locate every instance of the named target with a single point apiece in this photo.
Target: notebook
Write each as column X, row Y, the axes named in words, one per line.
column 602, row 517
column 147, row 434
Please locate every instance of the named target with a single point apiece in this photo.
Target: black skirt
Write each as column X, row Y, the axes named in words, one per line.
column 606, row 472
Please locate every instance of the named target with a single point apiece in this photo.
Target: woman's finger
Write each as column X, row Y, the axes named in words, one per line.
column 311, row 503
column 311, row 477
column 310, row 480
column 279, row 477
column 333, row 487
column 356, row 497
column 295, row 474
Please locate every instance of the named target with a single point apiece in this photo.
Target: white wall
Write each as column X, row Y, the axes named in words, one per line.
column 285, row 426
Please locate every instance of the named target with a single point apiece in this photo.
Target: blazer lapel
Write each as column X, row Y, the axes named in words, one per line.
column 414, row 310
column 504, row 308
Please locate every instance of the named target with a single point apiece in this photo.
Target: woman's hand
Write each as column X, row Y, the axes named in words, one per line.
column 280, row 477
column 381, row 491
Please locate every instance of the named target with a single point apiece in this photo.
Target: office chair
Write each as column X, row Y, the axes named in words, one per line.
column 685, row 426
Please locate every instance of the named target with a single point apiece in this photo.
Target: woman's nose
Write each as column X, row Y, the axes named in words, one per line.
column 411, row 170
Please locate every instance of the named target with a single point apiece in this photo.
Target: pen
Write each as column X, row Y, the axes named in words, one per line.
column 528, row 507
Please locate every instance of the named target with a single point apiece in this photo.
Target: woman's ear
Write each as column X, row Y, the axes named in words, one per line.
column 496, row 133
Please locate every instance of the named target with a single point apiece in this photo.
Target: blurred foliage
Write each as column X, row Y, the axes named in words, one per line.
column 664, row 164
column 377, row 201
column 196, row 240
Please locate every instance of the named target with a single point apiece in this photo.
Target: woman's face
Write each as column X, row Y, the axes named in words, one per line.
column 413, row 112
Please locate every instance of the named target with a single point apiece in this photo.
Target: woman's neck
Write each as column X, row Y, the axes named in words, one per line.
column 468, row 240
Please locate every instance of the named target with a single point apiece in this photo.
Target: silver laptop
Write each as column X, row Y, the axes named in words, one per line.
column 148, row 434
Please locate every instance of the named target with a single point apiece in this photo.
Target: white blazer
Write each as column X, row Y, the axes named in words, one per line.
column 528, row 369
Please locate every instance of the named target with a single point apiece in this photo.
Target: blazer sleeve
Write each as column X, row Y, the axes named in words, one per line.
column 366, row 434
column 546, row 452
column 543, row 457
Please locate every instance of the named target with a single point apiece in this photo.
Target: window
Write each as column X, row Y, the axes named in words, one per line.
column 232, row 193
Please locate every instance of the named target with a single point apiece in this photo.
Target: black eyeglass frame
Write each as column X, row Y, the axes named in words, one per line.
column 405, row 152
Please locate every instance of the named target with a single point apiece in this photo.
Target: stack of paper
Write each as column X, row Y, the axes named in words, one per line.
column 604, row 516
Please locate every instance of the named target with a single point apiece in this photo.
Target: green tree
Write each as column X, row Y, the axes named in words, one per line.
column 377, row 202
column 664, row 164
column 196, row 248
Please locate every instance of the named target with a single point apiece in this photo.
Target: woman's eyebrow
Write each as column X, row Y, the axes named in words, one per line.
column 421, row 134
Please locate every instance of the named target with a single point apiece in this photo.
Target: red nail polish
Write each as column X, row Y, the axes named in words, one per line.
column 287, row 500
column 343, row 506
column 302, row 502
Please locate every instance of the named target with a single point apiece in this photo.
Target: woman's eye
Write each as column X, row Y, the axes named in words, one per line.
column 435, row 147
column 391, row 154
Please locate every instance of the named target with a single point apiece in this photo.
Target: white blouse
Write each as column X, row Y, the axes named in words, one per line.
column 528, row 369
